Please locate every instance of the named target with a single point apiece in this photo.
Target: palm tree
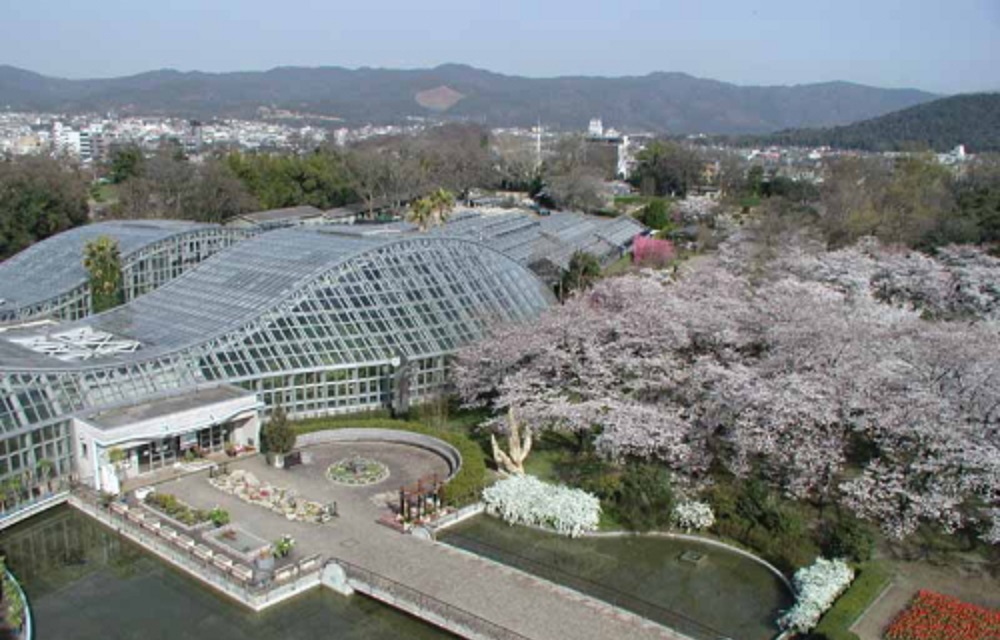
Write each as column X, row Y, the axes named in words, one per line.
column 12, row 489
column 422, row 213
column 102, row 260
column 442, row 201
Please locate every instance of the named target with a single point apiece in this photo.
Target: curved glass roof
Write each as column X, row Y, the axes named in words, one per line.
column 410, row 295
column 55, row 265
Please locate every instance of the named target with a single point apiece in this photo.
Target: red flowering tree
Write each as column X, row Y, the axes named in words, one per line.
column 652, row 252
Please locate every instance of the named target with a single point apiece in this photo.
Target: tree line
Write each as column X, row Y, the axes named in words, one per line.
column 38, row 197
column 910, row 200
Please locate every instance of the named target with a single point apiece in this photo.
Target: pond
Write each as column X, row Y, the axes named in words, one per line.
column 84, row 582
column 698, row 589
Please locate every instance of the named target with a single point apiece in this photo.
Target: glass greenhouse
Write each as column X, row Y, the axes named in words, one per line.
column 48, row 278
column 319, row 320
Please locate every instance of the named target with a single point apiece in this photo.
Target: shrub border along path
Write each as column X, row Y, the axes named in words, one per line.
column 463, row 488
column 871, row 581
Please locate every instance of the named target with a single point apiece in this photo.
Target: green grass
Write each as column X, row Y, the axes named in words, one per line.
column 627, row 200
column 543, row 464
column 869, row 583
column 609, row 522
column 463, row 489
column 104, row 193
column 620, row 266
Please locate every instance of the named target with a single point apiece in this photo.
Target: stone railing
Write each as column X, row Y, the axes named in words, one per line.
column 25, row 632
column 187, row 555
column 424, row 606
column 453, row 518
column 28, row 508
column 395, row 436
column 584, row 588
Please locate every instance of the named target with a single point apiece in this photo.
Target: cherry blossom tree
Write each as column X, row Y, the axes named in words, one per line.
column 866, row 375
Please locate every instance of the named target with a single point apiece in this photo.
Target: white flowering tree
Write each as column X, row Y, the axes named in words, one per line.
column 817, row 587
column 527, row 500
column 792, row 366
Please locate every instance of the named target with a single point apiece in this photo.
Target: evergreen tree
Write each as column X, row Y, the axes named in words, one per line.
column 279, row 436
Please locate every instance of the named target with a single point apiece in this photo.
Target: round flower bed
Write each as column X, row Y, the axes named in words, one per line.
column 357, row 471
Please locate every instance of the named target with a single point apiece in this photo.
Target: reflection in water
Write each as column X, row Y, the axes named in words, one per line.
column 84, row 582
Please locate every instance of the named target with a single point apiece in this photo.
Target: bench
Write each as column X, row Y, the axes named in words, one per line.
column 223, row 562
column 242, row 572
column 203, row 552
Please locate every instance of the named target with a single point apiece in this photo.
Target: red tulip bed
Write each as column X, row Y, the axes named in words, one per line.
column 932, row 616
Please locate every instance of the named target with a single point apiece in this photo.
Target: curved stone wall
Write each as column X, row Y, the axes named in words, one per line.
column 394, row 436
column 712, row 542
column 26, row 631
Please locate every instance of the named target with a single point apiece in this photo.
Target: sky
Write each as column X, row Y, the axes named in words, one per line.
column 945, row 46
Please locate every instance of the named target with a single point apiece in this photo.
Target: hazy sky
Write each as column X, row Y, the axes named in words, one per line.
column 940, row 45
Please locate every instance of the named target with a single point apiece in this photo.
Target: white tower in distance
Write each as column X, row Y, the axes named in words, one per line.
column 596, row 129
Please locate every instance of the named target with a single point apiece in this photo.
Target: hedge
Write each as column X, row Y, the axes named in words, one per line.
column 463, row 489
column 835, row 625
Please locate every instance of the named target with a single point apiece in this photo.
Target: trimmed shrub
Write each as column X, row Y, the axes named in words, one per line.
column 693, row 515
column 836, row 623
column 818, row 586
column 529, row 501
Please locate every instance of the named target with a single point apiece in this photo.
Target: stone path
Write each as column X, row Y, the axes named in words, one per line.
column 529, row 606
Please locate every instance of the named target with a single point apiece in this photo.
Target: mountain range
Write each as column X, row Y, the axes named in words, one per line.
column 659, row 102
column 970, row 119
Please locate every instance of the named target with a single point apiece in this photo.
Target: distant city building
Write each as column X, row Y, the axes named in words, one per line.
column 596, row 128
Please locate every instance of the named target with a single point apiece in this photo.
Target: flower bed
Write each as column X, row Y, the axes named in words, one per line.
column 933, row 616
column 527, row 500
column 817, row 587
column 286, row 502
column 169, row 505
column 357, row 471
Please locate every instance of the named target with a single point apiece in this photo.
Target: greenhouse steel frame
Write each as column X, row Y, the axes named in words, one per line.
column 48, row 280
column 318, row 322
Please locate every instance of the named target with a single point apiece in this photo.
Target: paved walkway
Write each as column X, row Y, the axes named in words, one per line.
column 969, row 583
column 529, row 606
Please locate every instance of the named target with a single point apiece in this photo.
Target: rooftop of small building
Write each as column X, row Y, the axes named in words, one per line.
column 164, row 406
column 287, row 214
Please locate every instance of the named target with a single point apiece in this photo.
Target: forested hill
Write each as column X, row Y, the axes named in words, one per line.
column 971, row 119
column 659, row 102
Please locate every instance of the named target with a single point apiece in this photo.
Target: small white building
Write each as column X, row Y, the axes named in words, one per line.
column 158, row 433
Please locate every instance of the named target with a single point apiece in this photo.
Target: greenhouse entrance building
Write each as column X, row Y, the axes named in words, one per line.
column 133, row 440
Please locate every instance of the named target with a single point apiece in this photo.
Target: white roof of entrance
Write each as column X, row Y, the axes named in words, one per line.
column 175, row 412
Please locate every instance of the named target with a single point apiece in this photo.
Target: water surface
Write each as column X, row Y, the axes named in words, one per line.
column 85, row 583
column 721, row 594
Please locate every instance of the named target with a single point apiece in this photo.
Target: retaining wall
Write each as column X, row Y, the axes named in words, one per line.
column 394, row 436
